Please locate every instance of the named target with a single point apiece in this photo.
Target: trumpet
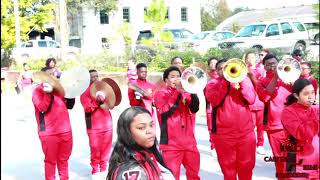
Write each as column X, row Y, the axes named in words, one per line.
column 288, row 70
column 235, row 70
column 193, row 80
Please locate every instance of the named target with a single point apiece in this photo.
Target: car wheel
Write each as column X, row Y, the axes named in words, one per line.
column 257, row 47
column 300, row 46
column 316, row 39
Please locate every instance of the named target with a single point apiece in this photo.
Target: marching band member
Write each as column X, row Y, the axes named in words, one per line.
column 51, row 67
column 25, row 80
column 54, row 129
column 255, row 73
column 136, row 154
column 300, row 119
column 178, row 62
column 141, row 91
column 234, row 139
column 305, row 73
column 273, row 92
column 132, row 71
column 99, row 127
column 176, row 110
column 212, row 75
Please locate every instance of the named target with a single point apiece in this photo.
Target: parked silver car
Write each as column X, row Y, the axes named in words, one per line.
column 287, row 35
column 203, row 41
column 35, row 49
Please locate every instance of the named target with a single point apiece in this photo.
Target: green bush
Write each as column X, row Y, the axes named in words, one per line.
column 315, row 70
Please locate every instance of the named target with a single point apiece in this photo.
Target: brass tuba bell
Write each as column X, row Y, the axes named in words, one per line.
column 235, row 70
column 193, row 80
column 288, row 70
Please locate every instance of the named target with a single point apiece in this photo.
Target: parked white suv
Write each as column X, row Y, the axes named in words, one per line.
column 287, row 35
column 35, row 49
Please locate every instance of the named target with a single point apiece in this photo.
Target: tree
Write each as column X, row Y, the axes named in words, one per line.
column 316, row 9
column 98, row 5
column 33, row 14
column 156, row 16
column 239, row 9
column 207, row 21
column 222, row 11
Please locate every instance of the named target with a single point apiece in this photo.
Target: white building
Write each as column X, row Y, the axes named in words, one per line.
column 99, row 29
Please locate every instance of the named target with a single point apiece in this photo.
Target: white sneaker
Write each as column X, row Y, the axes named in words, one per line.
column 260, row 150
column 213, row 152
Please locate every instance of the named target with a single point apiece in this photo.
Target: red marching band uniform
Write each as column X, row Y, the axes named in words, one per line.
column 274, row 105
column 176, row 114
column 54, row 131
column 302, row 123
column 99, row 130
column 234, row 139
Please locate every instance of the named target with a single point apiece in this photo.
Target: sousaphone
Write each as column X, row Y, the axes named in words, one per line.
column 43, row 77
column 111, row 89
column 75, row 81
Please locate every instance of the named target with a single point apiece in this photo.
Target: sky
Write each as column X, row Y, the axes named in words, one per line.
column 262, row 4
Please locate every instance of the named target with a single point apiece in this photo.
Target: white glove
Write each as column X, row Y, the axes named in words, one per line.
column 100, row 93
column 47, row 88
column 138, row 95
column 100, row 97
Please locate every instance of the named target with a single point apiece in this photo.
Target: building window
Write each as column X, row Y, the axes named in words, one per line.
column 126, row 14
column 167, row 15
column 104, row 18
column 184, row 14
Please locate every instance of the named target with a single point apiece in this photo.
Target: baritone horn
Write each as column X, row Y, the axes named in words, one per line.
column 193, row 80
column 235, row 70
column 288, row 70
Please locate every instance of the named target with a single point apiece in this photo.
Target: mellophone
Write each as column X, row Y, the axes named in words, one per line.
column 75, row 81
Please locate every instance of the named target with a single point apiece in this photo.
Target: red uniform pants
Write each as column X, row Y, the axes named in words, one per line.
column 100, row 147
column 190, row 160
column 258, row 116
column 57, row 150
column 276, row 137
column 236, row 156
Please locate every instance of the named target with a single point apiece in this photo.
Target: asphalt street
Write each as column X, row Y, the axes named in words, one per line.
column 22, row 157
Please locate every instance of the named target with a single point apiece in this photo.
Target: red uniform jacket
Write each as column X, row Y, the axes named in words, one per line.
column 145, row 102
column 56, row 120
column 97, row 118
column 312, row 80
column 235, row 106
column 259, row 73
column 132, row 75
column 274, row 102
column 176, row 115
column 303, row 124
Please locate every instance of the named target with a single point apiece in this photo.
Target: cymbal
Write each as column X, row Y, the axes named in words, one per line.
column 75, row 81
column 115, row 88
column 110, row 100
column 43, row 77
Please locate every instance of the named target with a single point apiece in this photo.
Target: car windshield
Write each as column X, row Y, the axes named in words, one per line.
column 200, row 36
column 252, row 30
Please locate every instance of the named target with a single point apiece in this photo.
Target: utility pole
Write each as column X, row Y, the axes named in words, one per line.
column 63, row 29
column 17, row 21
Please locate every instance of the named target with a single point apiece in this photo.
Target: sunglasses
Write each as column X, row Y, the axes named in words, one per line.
column 298, row 55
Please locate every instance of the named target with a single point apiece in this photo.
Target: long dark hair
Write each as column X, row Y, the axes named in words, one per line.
column 297, row 87
column 125, row 146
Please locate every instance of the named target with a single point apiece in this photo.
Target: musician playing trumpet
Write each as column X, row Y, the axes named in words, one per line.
column 232, row 125
column 99, row 127
column 176, row 110
column 273, row 92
